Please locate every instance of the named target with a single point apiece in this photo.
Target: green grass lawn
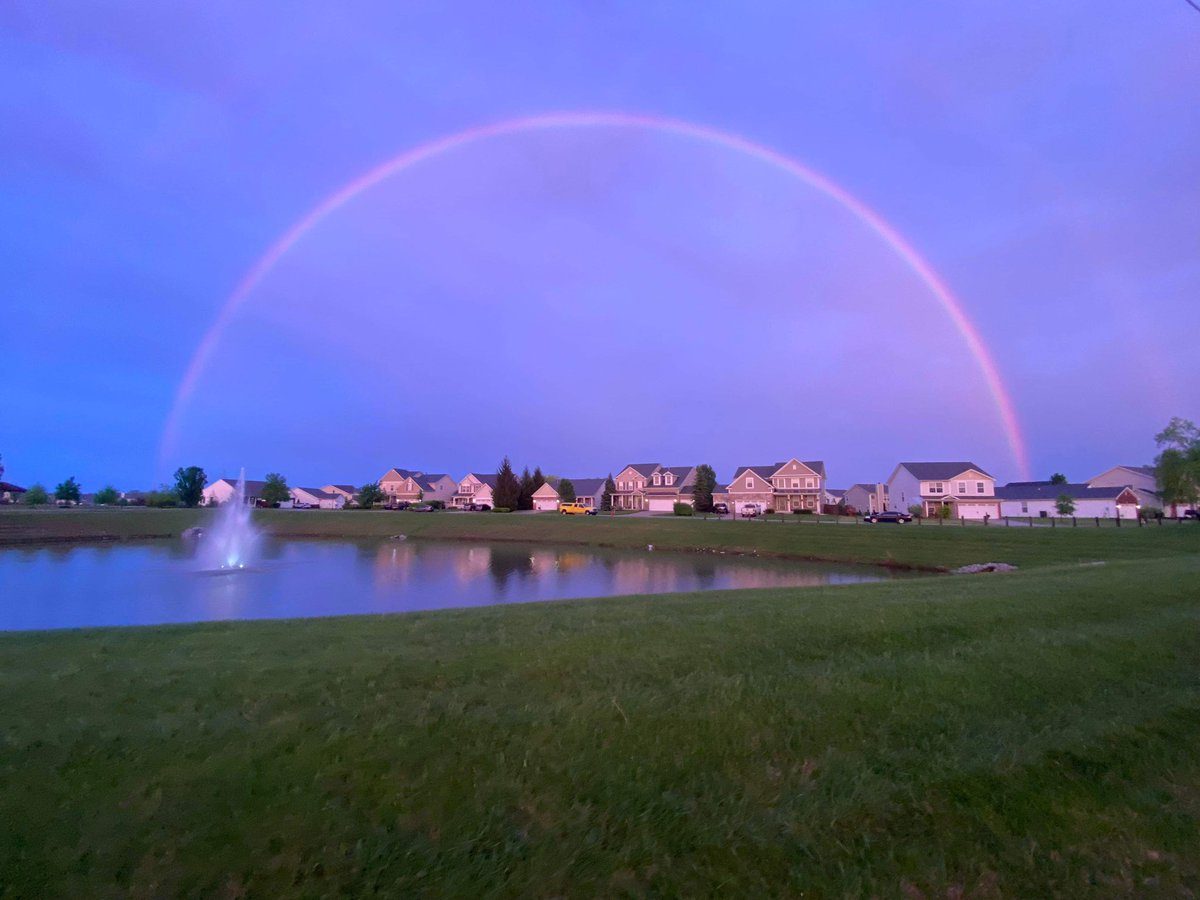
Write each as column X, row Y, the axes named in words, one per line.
column 1032, row 734
column 929, row 545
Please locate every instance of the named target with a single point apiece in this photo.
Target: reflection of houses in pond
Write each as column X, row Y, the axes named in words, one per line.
column 569, row 561
column 393, row 563
column 639, row 575
column 472, row 563
column 507, row 562
column 743, row 576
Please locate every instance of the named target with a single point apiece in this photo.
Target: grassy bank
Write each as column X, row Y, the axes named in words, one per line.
column 1023, row 735
column 928, row 545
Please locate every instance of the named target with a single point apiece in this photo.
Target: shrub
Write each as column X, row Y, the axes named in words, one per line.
column 438, row 504
column 36, row 496
column 501, row 509
column 106, row 496
column 944, row 512
column 684, row 509
column 161, row 499
column 916, row 511
column 802, row 512
column 768, row 512
column 1150, row 512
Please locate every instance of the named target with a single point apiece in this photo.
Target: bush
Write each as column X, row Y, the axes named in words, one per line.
column 684, row 509
column 799, row 512
column 437, row 504
column 1150, row 512
column 501, row 509
column 36, row 496
column 161, row 499
column 768, row 512
column 944, row 512
column 916, row 510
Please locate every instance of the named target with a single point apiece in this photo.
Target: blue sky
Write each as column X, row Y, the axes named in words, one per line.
column 581, row 299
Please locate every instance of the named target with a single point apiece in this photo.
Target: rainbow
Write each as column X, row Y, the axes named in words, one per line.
column 551, row 121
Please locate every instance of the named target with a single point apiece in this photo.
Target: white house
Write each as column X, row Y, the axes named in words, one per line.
column 475, row 488
column 223, row 489
column 318, row 497
column 589, row 492
column 1142, row 479
column 1040, row 500
column 962, row 487
column 867, row 498
column 347, row 491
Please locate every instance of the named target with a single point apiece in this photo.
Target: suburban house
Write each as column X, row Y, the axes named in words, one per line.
column 475, row 488
column 318, row 497
column 407, row 486
column 965, row 489
column 223, row 490
column 783, row 487
column 589, row 492
column 10, row 493
column 654, row 487
column 1142, row 479
column 834, row 496
column 867, row 498
column 347, row 491
column 1040, row 498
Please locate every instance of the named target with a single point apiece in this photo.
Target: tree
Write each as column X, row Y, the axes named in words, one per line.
column 1064, row 504
column 1177, row 468
column 275, row 490
column 67, row 490
column 1058, row 478
column 566, row 491
column 107, row 496
column 610, row 488
column 189, row 485
column 525, row 498
column 36, row 496
column 508, row 489
column 702, row 490
column 538, row 478
column 369, row 494
column 916, row 510
column 163, row 497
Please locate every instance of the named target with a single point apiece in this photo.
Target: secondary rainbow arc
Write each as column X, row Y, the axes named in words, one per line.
column 869, row 217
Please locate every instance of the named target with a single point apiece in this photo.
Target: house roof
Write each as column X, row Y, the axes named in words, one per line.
column 348, row 488
column 646, row 469
column 11, row 488
column 766, row 472
column 941, row 471
column 1045, row 490
column 869, row 488
column 588, row 487
column 428, row 482
column 253, row 488
column 835, row 492
column 319, row 493
column 489, row 480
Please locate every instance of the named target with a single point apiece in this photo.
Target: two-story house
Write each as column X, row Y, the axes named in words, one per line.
column 963, row 487
column 783, row 487
column 654, row 487
column 475, row 488
column 1143, row 480
column 407, row 486
column 867, row 498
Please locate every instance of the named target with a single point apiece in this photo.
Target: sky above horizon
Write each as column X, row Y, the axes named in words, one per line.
column 583, row 297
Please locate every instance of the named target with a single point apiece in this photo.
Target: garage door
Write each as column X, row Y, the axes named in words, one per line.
column 545, row 505
column 661, row 504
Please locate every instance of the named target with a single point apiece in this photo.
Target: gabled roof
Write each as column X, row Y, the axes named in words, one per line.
column 253, row 488
column 768, row 472
column 588, row 487
column 427, row 482
column 869, row 488
column 489, row 479
column 940, row 471
column 348, row 488
column 1045, row 490
column 645, row 469
column 319, row 493
column 11, row 488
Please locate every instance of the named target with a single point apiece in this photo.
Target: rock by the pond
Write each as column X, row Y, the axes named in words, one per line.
column 193, row 533
column 976, row 568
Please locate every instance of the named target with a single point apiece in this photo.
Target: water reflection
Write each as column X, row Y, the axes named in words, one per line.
column 138, row 584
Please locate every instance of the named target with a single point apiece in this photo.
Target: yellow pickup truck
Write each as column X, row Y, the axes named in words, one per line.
column 576, row 509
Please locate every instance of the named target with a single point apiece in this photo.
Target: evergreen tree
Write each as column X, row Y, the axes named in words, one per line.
column 525, row 499
column 566, row 491
column 538, row 478
column 508, row 488
column 702, row 490
column 1058, row 478
column 610, row 488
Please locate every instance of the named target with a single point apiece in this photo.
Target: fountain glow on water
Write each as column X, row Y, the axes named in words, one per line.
column 232, row 542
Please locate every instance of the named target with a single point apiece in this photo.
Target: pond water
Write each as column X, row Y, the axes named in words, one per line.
column 160, row 582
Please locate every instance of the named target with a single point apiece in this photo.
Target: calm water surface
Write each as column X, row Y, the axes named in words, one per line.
column 159, row 582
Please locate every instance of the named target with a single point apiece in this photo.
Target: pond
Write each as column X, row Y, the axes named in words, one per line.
column 160, row 582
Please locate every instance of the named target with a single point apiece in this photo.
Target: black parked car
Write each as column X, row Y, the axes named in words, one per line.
column 721, row 509
column 888, row 515
column 1191, row 514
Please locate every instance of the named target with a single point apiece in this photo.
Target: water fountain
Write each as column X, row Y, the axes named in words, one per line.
column 232, row 542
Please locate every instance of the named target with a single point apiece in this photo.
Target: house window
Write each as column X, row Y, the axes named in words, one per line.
column 657, row 478
column 641, row 482
column 979, row 487
column 808, row 482
column 749, row 484
column 962, row 487
column 795, row 481
column 670, row 479
column 1024, row 506
column 936, row 487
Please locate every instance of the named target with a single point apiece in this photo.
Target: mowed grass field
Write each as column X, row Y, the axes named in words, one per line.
column 1028, row 734
column 921, row 546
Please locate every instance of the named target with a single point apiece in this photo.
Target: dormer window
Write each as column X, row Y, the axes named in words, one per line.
column 657, row 479
column 670, row 479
